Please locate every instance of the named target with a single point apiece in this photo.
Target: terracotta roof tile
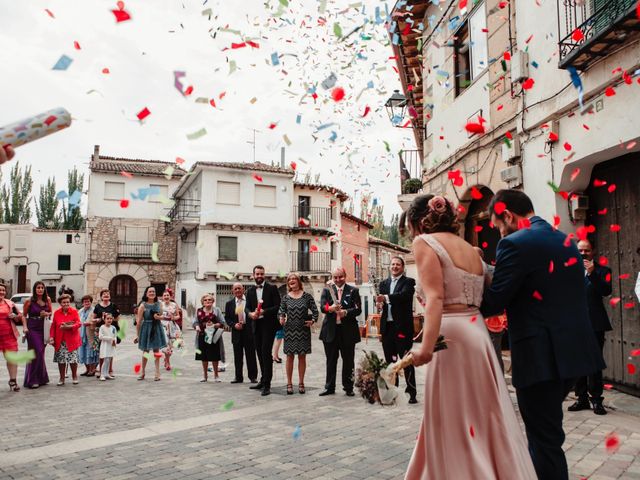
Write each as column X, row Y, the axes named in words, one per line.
column 356, row 219
column 134, row 166
column 385, row 243
column 316, row 186
column 254, row 167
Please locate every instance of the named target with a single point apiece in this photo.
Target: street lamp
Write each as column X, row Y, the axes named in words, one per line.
column 396, row 106
column 76, row 237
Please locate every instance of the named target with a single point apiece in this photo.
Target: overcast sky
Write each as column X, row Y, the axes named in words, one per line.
column 164, row 36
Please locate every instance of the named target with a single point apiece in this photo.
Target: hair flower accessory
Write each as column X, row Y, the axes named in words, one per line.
column 438, row 204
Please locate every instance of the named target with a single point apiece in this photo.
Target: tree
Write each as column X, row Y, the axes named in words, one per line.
column 16, row 196
column 392, row 230
column 71, row 215
column 47, row 206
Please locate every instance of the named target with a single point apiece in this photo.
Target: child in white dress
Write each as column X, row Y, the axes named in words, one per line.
column 107, row 335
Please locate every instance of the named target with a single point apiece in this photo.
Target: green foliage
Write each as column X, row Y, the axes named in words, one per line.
column 47, row 206
column 15, row 196
column 412, row 185
column 71, row 216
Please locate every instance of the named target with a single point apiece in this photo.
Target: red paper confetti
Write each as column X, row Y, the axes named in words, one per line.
column 599, row 183
column 528, row 84
column 498, row 208
column 257, row 178
column 524, row 223
column 506, row 56
column 121, row 15
column 367, row 109
column 611, row 188
column 577, row 35
column 553, row 137
column 158, row 354
column 50, row 13
column 575, row 173
column 124, row 203
column 611, row 442
column 571, row 261
column 609, row 92
column 179, row 160
column 475, row 193
column 456, row 177
column 76, row 45
column 462, row 5
column 614, row 301
column 624, row 276
column 556, row 221
column 614, row 228
column 400, row 335
column 253, row 44
column 631, row 369
column 188, row 91
column 474, row 318
column 628, row 305
column 472, row 431
column 607, row 278
column 537, row 295
column 313, row 248
column 477, row 228
column 607, row 386
column 475, row 128
column 567, row 147
column 602, row 212
column 293, row 165
column 272, row 126
column 144, row 113
column 635, row 353
column 136, row 368
column 105, row 71
column 235, row 46
column 551, row 266
column 337, row 94
column 126, row 174
column 603, row 261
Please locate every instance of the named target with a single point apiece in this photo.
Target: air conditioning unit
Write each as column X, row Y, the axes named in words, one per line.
column 579, row 206
column 511, row 153
column 512, row 176
column 519, row 66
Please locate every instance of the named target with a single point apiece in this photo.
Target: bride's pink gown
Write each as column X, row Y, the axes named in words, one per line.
column 469, row 430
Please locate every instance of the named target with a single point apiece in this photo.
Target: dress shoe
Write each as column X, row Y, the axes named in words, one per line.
column 257, row 386
column 580, row 405
column 266, row 391
column 235, row 380
column 598, row 409
column 413, row 400
column 350, row 393
column 327, row 392
column 253, row 380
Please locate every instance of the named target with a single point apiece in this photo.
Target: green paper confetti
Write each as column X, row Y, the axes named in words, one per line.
column 507, row 142
column 198, row 351
column 553, row 186
column 154, row 252
column 227, row 406
column 226, row 275
column 386, row 145
column 148, row 355
column 337, row 30
column 122, row 333
column 175, row 372
column 232, row 66
column 195, row 135
column 164, row 218
column 20, row 358
column 168, row 172
column 284, row 3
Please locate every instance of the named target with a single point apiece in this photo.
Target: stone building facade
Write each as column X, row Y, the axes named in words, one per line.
column 128, row 245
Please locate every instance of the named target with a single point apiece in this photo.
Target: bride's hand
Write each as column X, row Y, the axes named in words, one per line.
column 421, row 358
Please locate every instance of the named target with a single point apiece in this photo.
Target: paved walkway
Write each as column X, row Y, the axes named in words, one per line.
column 179, row 428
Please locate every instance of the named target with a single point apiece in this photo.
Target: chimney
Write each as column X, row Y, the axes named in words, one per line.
column 96, row 153
column 282, row 157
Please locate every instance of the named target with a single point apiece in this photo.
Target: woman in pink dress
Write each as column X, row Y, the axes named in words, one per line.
column 469, row 429
column 9, row 334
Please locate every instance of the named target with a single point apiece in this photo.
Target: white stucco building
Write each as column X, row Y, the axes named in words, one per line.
column 29, row 254
column 555, row 89
column 233, row 216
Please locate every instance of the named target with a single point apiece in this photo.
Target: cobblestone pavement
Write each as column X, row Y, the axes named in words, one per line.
column 179, row 428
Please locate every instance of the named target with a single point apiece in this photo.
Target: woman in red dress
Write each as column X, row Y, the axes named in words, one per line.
column 65, row 337
column 9, row 334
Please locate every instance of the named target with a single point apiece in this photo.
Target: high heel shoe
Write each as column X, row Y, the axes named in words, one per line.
column 13, row 385
column 301, row 389
column 277, row 360
column 289, row 389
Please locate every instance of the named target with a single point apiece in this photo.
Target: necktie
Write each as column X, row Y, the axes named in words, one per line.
column 340, row 295
column 240, row 310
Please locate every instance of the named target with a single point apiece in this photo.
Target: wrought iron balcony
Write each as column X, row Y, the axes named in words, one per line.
column 593, row 29
column 311, row 217
column 410, row 168
column 308, row 262
column 185, row 210
column 134, row 249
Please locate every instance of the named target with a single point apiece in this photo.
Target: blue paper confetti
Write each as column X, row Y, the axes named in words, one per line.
column 333, row 136
column 575, row 79
column 74, row 198
column 297, row 432
column 63, row 63
column 274, row 59
column 61, row 195
column 298, row 119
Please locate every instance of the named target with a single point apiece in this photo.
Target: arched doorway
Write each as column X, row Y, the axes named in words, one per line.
column 618, row 206
column 124, row 292
column 476, row 227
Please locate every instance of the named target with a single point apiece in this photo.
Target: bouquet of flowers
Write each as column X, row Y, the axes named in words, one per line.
column 375, row 379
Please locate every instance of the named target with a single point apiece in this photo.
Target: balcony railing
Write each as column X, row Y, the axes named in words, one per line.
column 410, row 167
column 310, row 261
column 185, row 210
column 134, row 249
column 311, row 217
column 589, row 30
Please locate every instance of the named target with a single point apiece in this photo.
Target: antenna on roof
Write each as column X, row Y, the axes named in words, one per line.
column 254, row 142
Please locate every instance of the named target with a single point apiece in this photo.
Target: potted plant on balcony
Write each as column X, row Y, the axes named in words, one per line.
column 412, row 185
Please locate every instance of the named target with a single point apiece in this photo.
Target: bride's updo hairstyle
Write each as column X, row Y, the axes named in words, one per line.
column 429, row 214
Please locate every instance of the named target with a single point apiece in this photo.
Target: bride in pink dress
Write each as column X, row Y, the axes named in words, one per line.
column 470, row 429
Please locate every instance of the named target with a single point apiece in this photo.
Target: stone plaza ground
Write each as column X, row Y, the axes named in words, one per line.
column 179, row 428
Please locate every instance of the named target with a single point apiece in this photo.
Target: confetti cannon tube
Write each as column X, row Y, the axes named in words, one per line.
column 33, row 128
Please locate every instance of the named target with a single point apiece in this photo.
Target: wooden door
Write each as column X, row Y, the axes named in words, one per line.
column 124, row 291
column 22, row 279
column 622, row 250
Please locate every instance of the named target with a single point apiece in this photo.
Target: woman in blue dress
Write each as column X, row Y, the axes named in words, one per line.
column 151, row 335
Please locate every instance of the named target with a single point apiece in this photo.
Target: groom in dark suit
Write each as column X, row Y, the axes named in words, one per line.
column 340, row 331
column 263, row 303
column 396, row 322
column 241, row 334
column 539, row 279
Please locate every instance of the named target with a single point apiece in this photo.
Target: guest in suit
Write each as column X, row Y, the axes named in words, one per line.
column 552, row 342
column 340, row 331
column 597, row 280
column 241, row 335
column 396, row 322
column 263, row 303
